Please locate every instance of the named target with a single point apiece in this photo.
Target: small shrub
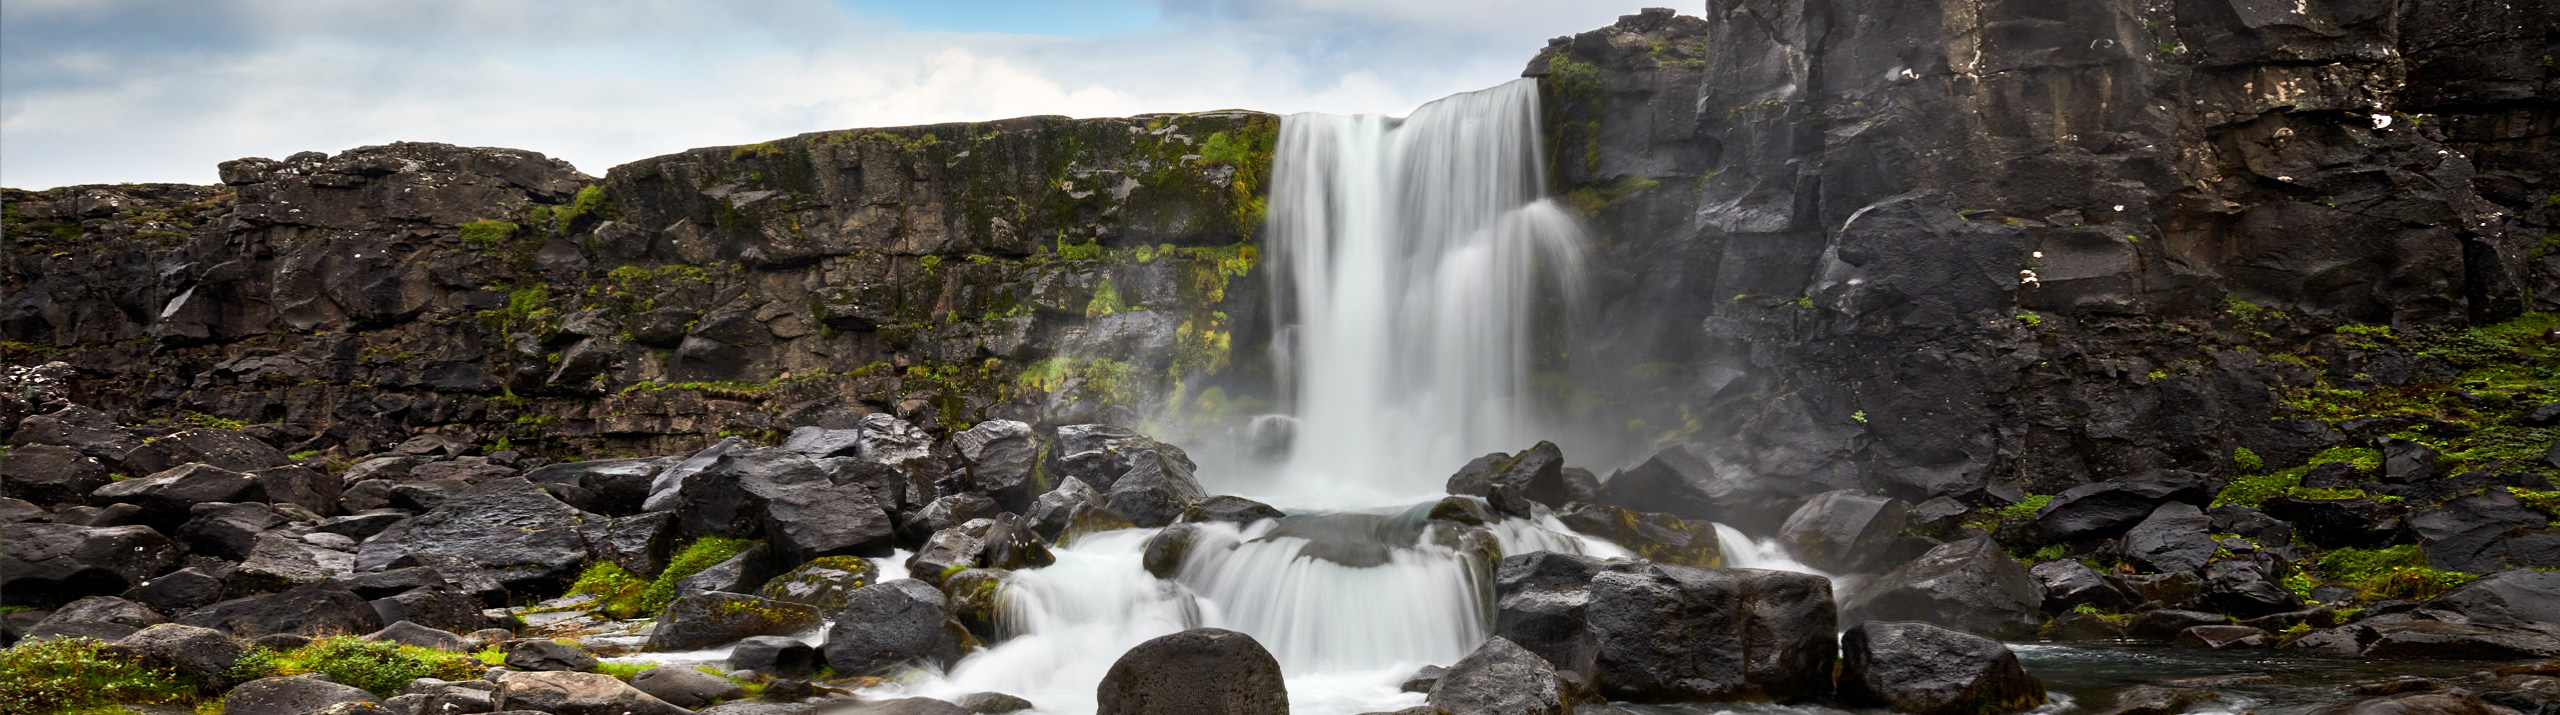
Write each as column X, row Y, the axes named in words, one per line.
column 67, row 675
column 2026, row 508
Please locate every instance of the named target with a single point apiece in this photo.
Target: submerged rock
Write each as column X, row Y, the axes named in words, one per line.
column 1202, row 671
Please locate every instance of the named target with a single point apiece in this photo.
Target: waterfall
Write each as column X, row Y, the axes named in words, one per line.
column 1409, row 258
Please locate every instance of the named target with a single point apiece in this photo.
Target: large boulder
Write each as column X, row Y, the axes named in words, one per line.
column 641, row 543
column 2514, row 598
column 1672, row 633
column 614, row 487
column 824, row 583
column 52, row 563
column 1536, row 473
column 1653, row 536
column 105, row 618
column 228, row 531
column 888, row 440
column 822, row 443
column 1844, row 531
column 1202, row 671
column 1052, row 513
column 2175, row 537
column 2425, row 702
column 291, row 695
column 777, row 656
column 1001, row 457
column 177, row 591
column 409, row 633
column 1155, row 491
column 1923, row 669
column 320, row 609
column 91, row 432
column 280, row 561
column 538, row 655
column 2439, row 640
column 2107, row 509
column 2068, row 584
column 1500, row 678
column 574, row 693
column 709, row 619
column 686, row 687
column 1099, row 454
column 1969, row 585
column 166, row 497
column 750, row 492
column 1693, row 481
column 223, row 449
column 2337, row 523
column 51, row 474
column 1541, row 603
column 200, row 653
column 444, row 607
column 507, row 527
column 886, row 627
column 2480, row 534
column 665, row 485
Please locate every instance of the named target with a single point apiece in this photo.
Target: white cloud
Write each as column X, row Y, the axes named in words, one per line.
column 125, row 91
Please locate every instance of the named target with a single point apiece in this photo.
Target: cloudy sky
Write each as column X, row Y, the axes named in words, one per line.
column 104, row 91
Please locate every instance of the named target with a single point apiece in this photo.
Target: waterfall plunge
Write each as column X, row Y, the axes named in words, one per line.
column 1408, row 258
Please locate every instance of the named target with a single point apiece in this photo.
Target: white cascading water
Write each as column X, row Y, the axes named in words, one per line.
column 1409, row 257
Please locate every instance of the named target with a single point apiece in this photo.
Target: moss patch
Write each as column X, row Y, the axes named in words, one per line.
column 2392, row 572
column 71, row 675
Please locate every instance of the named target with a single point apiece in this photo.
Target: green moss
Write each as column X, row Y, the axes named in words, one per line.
column 2547, row 502
column 204, row 420
column 2393, row 572
column 617, row 591
column 1085, row 251
column 2247, row 461
column 930, row 263
column 703, row 553
column 487, row 236
column 1591, row 200
column 591, row 201
column 1574, row 77
column 70, row 675
column 379, row 667
column 622, row 671
column 763, row 149
column 1106, row 300
column 2027, row 507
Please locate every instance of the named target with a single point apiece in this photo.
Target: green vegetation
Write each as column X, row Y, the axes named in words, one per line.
column 1086, row 251
column 930, row 263
column 2252, row 489
column 487, row 236
column 1591, row 200
column 2026, row 508
column 72, row 675
column 620, row 594
column 200, row 419
column 381, row 668
column 1106, row 300
column 590, row 200
column 2247, row 461
column 2547, row 502
column 2393, row 572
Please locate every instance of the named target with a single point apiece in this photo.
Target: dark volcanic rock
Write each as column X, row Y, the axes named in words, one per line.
column 1968, row 585
column 2107, row 509
column 222, row 449
column 1542, row 603
column 573, row 693
column 778, row 656
column 2337, row 523
column 2513, row 598
column 823, row 583
column 320, row 609
column 50, row 474
column 105, row 618
column 1653, row 536
column 1672, row 633
column 887, row 626
column 708, row 619
column 52, row 563
column 508, row 527
column 686, row 687
column 2176, row 537
column 536, row 654
column 1537, row 473
column 1843, row 531
column 1694, row 481
column 1001, row 457
column 2223, row 637
column 1499, row 678
column 1926, row 670
column 1224, row 509
column 1203, row 671
column 1155, row 491
column 294, row 695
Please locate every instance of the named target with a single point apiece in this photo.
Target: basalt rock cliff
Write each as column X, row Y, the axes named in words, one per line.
column 1971, row 249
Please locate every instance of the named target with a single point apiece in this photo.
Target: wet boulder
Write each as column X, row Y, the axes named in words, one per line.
column 1923, row 669
column 1155, row 491
column 221, row 449
column 280, row 561
column 51, row 474
column 1100, row 453
column 2068, row 584
column 409, row 633
column 1695, row 482
column 823, row 583
column 1969, row 585
column 177, row 591
column 2166, row 623
column 1223, row 509
column 888, row 626
column 2336, row 523
column 2223, row 638
column 666, row 486
column 83, row 429
column 508, row 527
column 442, row 607
column 2439, row 640
column 1674, row 633
column 2432, row 702
column 640, row 544
column 1536, row 473
column 1000, row 457
column 1202, row 671
column 743, row 573
column 319, row 609
column 2175, row 537
column 777, row 656
column 2514, row 598
column 709, row 619
column 573, row 693
column 1011, row 544
column 2247, row 589
column 540, row 655
column 1542, row 603
column 614, row 487
column 1844, row 531
column 951, row 550
column 1169, row 549
column 291, row 695
column 51, row 563
column 686, row 687
column 1052, row 513
column 950, row 511
column 974, row 594
column 1654, row 536
column 1499, row 678
column 2483, row 533
column 822, row 443
column 888, row 440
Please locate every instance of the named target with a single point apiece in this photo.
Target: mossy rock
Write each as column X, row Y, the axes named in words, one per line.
column 823, row 583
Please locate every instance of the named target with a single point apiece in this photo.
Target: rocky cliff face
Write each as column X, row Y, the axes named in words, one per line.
column 1941, row 248
column 1969, row 248
column 950, row 273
